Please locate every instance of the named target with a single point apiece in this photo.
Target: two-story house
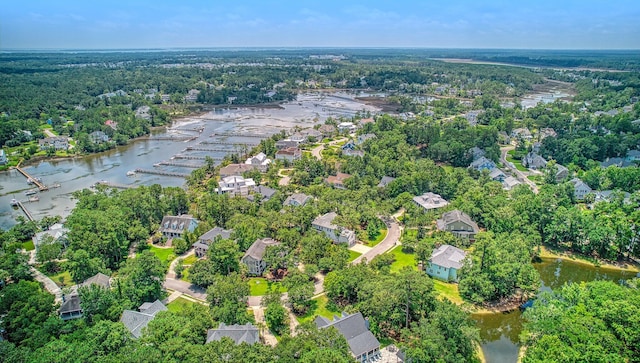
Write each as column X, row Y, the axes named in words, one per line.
column 430, row 201
column 235, row 185
column 290, row 154
column 176, row 226
column 458, row 223
column 337, row 234
column 363, row 345
column 580, row 189
column 259, row 161
column 445, row 262
column 254, row 257
column 202, row 245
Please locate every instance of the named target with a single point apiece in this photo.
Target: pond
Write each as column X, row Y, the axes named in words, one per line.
column 500, row 332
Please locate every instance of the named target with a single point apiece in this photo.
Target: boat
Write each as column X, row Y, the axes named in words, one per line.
column 31, row 192
column 131, row 173
column 14, row 202
column 31, row 181
column 526, row 305
column 34, row 198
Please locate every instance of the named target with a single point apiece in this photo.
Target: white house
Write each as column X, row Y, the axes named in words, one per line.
column 235, row 185
column 324, row 224
column 260, row 161
column 430, row 201
column 176, row 226
column 346, row 127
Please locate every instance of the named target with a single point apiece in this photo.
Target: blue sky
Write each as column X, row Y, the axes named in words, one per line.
column 542, row 24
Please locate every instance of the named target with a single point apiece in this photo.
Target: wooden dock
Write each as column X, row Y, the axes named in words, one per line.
column 115, row 185
column 35, row 181
column 194, row 157
column 26, row 212
column 173, row 138
column 162, row 172
column 239, row 134
column 180, row 165
column 214, row 149
column 240, row 144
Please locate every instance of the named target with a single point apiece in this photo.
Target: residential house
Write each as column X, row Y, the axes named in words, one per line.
column 562, row 173
column 327, row 130
column 254, row 257
column 56, row 233
column 236, row 169
column 165, row 97
column 510, row 183
column 136, row 321
column 338, row 180
column 522, row 133
column 290, row 154
column 482, row 163
column 259, row 161
column 56, row 142
column 611, row 195
column 476, row 153
column 70, row 308
column 360, row 139
column 176, row 226
column 264, row 192
column 445, row 262
column 368, row 120
column 472, row 116
column 497, row 175
column 632, row 157
column 3, row 157
column 385, row 181
column 430, row 201
column 202, row 245
column 580, row 189
column 192, row 95
column 298, row 138
column 347, row 127
column 112, row 124
column 458, row 223
column 312, row 134
column 98, row 137
column 297, row 199
column 547, row 132
column 337, row 234
column 143, row 112
column 534, row 161
column 349, row 149
column 235, row 185
column 286, row 143
column 619, row 162
column 248, row 333
column 363, row 345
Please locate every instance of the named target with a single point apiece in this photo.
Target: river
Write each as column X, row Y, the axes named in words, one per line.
column 500, row 332
column 77, row 173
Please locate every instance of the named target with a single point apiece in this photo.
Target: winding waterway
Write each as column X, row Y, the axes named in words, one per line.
column 220, row 127
column 500, row 332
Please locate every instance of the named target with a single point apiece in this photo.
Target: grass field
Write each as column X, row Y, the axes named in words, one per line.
column 515, row 162
column 179, row 304
column 409, row 233
column 353, row 255
column 189, row 260
column 318, row 307
column 62, row 279
column 448, row 291
column 165, row 255
column 28, row 245
column 258, row 286
column 381, row 236
column 402, row 259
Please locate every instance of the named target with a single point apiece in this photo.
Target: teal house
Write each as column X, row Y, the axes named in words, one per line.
column 445, row 262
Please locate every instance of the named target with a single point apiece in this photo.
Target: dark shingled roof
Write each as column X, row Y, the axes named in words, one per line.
column 70, row 305
column 354, row 329
column 258, row 248
column 99, row 279
column 455, row 216
column 211, row 234
column 135, row 321
column 238, row 333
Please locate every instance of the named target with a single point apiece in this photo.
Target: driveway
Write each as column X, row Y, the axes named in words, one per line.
column 522, row 176
column 48, row 284
column 185, row 288
column 390, row 241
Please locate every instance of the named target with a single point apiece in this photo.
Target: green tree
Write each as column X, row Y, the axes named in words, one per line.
column 227, row 298
column 140, row 280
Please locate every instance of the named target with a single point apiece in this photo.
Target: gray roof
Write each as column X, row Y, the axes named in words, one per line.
column 430, row 200
column 211, row 234
column 495, row 173
column 481, row 161
column 71, row 304
column 298, row 198
column 135, row 321
column 456, row 216
column 326, row 220
column 235, row 169
column 99, row 279
column 258, row 248
column 476, row 152
column 448, row 256
column 266, row 192
column 181, row 223
column 354, row 329
column 385, row 181
column 238, row 333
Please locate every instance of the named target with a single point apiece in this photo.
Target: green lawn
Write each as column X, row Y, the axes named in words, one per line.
column 353, row 255
column 318, row 307
column 409, row 233
column 258, row 286
column 164, row 254
column 185, row 275
column 179, row 304
column 381, row 235
column 189, row 260
column 517, row 163
column 62, row 279
column 28, row 245
column 448, row 290
column 402, row 259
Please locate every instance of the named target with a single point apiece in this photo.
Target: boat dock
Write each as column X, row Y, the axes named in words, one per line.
column 173, row 138
column 161, row 172
column 214, row 149
column 35, row 181
column 115, row 185
column 24, row 209
column 239, row 134
column 180, row 165
column 205, row 142
column 195, row 157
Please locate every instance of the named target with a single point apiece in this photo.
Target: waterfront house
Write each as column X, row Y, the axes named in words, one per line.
column 297, row 199
column 56, row 142
column 235, row 185
column 459, row 223
column 285, row 144
column 259, row 161
column 347, row 127
column 337, row 234
column 98, row 137
column 445, row 262
column 247, row 333
column 254, row 257
column 430, row 201
column 136, row 321
column 363, row 345
column 290, row 154
column 338, row 180
column 202, row 245
column 176, row 226
column 298, row 138
column 236, row 169
column 56, row 233
column 112, row 124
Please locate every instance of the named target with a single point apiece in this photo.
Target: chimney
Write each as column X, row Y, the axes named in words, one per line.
column 366, row 322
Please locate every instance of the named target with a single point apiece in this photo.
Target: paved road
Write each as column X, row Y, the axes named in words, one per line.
column 48, row 284
column 522, row 176
column 391, row 240
column 317, row 151
column 185, row 288
column 269, row 338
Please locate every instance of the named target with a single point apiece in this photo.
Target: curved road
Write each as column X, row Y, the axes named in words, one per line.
column 522, row 176
column 391, row 240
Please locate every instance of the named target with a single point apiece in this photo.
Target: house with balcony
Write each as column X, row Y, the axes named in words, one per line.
column 459, row 223
column 235, row 185
column 337, row 234
column 202, row 245
column 176, row 226
column 254, row 257
column 445, row 262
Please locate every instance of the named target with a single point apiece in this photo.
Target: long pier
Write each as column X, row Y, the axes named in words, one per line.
column 35, row 181
column 194, row 157
column 173, row 138
column 115, row 185
column 205, row 142
column 181, row 165
column 239, row 134
column 163, row 173
column 216, row 149
column 26, row 212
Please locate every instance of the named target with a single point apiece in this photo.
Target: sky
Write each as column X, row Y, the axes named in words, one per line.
column 138, row 24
